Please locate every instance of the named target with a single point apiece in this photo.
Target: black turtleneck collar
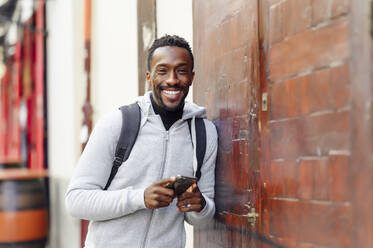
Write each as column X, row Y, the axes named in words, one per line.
column 168, row 117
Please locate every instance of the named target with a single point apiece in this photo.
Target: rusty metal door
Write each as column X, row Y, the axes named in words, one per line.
column 226, row 43
column 288, row 85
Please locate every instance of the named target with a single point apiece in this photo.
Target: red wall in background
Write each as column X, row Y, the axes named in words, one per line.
column 10, row 132
column 24, row 82
column 305, row 162
column 307, row 139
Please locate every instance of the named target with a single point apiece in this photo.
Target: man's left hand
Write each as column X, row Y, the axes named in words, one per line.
column 191, row 200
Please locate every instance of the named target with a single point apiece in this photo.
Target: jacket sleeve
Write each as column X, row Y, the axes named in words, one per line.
column 207, row 181
column 85, row 197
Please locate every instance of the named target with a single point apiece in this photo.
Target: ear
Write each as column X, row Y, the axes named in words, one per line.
column 192, row 78
column 148, row 78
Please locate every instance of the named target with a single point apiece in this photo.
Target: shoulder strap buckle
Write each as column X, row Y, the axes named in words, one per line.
column 117, row 161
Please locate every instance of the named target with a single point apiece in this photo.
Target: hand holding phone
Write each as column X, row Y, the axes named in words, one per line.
column 157, row 196
column 191, row 200
column 181, row 184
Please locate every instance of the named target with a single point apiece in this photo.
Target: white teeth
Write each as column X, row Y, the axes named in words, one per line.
column 171, row 92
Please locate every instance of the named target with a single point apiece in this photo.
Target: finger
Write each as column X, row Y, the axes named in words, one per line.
column 196, row 199
column 163, row 198
column 165, row 181
column 158, row 202
column 190, row 208
column 187, row 195
column 190, row 189
column 162, row 204
column 164, row 191
column 194, row 187
column 152, row 204
column 190, row 201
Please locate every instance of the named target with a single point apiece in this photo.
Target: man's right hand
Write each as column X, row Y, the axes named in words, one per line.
column 157, row 195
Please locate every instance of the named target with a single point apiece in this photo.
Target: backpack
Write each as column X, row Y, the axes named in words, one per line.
column 131, row 118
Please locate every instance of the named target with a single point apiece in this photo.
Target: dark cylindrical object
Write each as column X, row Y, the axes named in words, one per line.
column 23, row 209
column 10, row 164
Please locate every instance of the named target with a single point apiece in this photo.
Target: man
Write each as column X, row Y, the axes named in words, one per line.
column 138, row 210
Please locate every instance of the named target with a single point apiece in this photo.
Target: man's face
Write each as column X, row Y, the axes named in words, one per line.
column 170, row 76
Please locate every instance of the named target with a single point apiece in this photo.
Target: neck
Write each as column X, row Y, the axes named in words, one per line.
column 168, row 117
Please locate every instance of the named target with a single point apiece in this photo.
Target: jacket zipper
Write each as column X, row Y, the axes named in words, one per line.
column 161, row 174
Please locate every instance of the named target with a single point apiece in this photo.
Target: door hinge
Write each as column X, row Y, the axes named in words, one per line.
column 251, row 216
column 265, row 101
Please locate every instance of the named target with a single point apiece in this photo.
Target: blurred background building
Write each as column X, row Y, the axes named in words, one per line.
column 288, row 84
column 61, row 73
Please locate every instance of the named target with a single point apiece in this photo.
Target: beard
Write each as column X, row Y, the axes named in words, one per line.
column 157, row 94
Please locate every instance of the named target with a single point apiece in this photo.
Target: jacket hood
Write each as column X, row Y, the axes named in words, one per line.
column 190, row 109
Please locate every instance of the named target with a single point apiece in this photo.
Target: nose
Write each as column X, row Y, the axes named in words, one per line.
column 172, row 79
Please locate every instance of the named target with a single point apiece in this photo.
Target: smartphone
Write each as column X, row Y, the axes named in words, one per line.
column 181, row 184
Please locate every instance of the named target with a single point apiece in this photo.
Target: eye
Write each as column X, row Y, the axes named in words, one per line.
column 182, row 71
column 162, row 71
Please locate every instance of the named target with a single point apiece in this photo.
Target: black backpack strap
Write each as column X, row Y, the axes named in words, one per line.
column 131, row 117
column 201, row 143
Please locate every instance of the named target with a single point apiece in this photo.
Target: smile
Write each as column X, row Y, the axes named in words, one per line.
column 169, row 92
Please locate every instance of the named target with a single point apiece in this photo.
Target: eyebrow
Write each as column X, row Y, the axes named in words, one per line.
column 160, row 65
column 166, row 65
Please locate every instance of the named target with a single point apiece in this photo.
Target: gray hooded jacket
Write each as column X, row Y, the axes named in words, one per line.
column 118, row 217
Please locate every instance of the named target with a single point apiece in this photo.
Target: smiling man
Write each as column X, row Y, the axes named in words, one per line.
column 140, row 208
column 170, row 75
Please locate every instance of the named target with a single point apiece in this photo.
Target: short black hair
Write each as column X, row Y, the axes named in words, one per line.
column 169, row 40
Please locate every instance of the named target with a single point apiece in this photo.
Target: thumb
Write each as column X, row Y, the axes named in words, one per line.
column 165, row 181
column 195, row 187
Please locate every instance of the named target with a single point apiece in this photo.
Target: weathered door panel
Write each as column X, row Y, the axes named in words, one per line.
column 288, row 85
column 305, row 61
column 227, row 72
